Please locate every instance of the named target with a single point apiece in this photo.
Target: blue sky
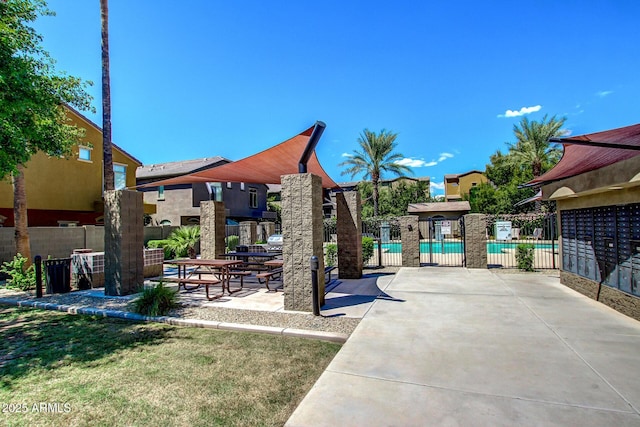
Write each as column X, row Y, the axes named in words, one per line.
column 201, row 78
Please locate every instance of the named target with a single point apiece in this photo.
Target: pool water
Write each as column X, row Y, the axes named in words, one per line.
column 456, row 247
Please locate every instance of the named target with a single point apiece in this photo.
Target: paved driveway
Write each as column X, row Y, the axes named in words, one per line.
column 458, row 347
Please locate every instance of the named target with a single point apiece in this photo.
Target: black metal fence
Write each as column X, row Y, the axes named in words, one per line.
column 442, row 242
column 506, row 232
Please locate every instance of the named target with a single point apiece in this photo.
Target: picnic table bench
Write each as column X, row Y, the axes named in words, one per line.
column 276, row 273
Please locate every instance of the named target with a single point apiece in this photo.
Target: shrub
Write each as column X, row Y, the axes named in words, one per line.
column 525, row 256
column 154, row 244
column 182, row 241
column 21, row 278
column 232, row 242
column 156, row 301
column 367, row 249
column 331, row 255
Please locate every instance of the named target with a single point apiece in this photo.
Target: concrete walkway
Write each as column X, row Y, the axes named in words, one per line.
column 457, row 347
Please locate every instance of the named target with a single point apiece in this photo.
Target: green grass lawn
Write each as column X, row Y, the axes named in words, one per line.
column 106, row 372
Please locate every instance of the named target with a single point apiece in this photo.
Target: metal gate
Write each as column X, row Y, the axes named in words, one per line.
column 442, row 242
column 537, row 229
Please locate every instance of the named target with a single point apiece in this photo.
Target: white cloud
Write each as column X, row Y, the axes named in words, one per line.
column 521, row 112
column 347, row 155
column 444, row 156
column 437, row 185
column 415, row 163
column 604, row 93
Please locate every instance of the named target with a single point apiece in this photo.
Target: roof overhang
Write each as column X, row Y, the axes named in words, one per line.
column 589, row 152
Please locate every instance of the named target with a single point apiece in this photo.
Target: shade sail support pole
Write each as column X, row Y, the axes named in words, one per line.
column 318, row 128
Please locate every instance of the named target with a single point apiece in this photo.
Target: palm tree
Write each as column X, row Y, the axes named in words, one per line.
column 106, row 99
column 375, row 157
column 533, row 146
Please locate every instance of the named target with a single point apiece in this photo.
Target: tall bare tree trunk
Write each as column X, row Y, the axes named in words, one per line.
column 106, row 99
column 20, row 220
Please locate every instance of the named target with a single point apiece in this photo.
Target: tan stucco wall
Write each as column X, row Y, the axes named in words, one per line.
column 465, row 183
column 68, row 184
column 177, row 203
column 591, row 188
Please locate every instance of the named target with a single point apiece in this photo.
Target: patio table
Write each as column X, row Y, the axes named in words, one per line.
column 221, row 267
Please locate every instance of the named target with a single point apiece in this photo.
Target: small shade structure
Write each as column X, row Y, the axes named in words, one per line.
column 265, row 167
column 585, row 153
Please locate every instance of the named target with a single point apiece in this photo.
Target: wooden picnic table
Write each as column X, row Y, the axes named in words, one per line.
column 215, row 267
column 274, row 263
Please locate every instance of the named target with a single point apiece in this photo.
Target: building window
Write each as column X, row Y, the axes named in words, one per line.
column 161, row 192
column 253, row 198
column 119, row 176
column 229, row 185
column 242, row 186
column 84, row 153
column 215, row 191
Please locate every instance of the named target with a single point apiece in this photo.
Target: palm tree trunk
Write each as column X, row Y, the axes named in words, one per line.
column 106, row 99
column 20, row 220
column 375, row 196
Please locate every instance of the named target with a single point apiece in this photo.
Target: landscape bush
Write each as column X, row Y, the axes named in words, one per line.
column 182, row 241
column 156, row 301
column 232, row 241
column 331, row 255
column 367, row 249
column 21, row 278
column 525, row 256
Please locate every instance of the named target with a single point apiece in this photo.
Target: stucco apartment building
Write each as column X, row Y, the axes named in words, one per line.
column 68, row 191
column 456, row 186
column 596, row 186
column 180, row 204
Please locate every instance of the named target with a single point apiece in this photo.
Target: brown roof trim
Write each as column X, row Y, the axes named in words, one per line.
column 99, row 129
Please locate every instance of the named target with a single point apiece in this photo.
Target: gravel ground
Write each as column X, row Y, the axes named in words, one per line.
column 296, row 320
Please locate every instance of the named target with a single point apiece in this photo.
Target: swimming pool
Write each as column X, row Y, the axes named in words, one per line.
column 456, row 247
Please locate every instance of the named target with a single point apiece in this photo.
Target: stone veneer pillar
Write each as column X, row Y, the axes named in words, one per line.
column 349, row 230
column 124, row 242
column 266, row 229
column 475, row 240
column 410, row 235
column 302, row 231
column 248, row 232
column 212, row 229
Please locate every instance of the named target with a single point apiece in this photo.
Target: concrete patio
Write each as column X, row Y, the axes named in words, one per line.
column 458, row 347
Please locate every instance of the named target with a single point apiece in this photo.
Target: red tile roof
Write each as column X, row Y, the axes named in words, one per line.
column 578, row 159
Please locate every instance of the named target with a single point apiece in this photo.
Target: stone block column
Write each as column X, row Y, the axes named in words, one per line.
column 302, row 230
column 212, row 229
column 349, row 230
column 248, row 232
column 475, row 236
column 124, row 242
column 410, row 235
column 266, row 229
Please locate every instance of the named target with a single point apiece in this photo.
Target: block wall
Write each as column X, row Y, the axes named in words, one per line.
column 410, row 235
column 124, row 240
column 349, row 231
column 302, row 233
column 212, row 229
column 475, row 246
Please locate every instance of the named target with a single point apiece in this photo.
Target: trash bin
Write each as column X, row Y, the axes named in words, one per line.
column 58, row 275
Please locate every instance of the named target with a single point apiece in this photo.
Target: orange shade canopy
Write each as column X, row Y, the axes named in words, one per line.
column 265, row 167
